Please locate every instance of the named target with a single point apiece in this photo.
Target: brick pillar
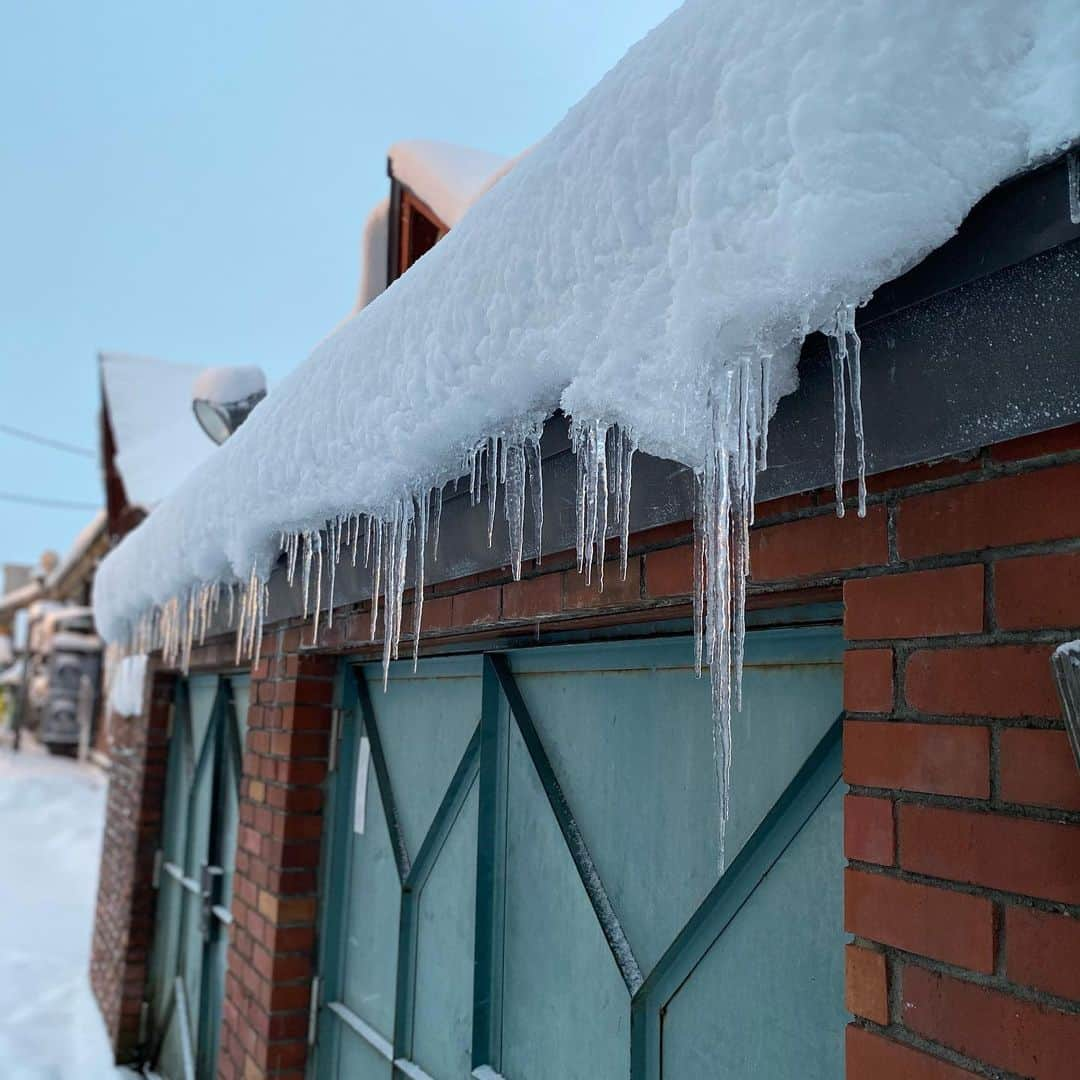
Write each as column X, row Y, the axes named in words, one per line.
column 962, row 829
column 124, row 919
column 272, row 958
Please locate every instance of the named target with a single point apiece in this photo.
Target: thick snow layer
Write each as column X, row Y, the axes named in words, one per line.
column 448, row 178
column 126, row 690
column 226, row 385
column 50, row 843
column 158, row 439
column 738, row 177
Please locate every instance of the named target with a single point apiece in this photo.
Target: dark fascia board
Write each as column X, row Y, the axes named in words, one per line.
column 977, row 344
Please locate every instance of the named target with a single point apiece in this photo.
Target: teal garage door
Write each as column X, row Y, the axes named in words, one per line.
column 522, row 877
column 194, row 876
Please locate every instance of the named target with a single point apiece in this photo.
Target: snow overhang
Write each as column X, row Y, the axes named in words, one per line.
column 718, row 197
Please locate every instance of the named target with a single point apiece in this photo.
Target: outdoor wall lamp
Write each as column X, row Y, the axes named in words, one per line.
column 222, row 398
column 1066, row 665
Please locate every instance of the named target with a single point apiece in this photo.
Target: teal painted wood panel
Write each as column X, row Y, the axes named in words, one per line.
column 371, row 926
column 443, row 1002
column 358, row 1061
column 566, row 1011
column 628, row 729
column 767, row 1000
column 425, row 721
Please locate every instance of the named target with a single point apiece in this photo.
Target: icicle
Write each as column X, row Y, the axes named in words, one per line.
column 436, row 518
column 514, row 501
column 377, row 527
column 421, row 549
column 337, row 527
column 318, row 586
column 838, row 350
column 843, row 351
column 534, row 468
column 492, row 485
column 1074, row 186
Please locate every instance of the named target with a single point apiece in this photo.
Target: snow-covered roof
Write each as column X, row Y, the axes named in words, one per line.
column 158, row 440
column 82, row 544
column 373, row 254
column 748, row 173
column 447, row 177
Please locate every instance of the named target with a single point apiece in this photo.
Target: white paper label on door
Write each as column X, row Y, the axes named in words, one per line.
column 363, row 760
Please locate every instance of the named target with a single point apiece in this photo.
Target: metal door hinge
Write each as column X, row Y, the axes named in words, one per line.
column 144, row 1022
column 335, row 736
column 159, row 856
column 313, row 1010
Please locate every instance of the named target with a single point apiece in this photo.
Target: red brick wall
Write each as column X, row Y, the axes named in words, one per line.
column 123, row 926
column 272, row 958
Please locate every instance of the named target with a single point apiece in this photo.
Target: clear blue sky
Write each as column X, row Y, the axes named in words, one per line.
column 189, row 180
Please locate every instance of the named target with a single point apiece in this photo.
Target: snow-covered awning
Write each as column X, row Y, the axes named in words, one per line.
column 745, row 175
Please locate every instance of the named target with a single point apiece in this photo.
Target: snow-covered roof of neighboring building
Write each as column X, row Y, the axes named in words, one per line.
column 158, row 440
column 747, row 174
column 448, row 178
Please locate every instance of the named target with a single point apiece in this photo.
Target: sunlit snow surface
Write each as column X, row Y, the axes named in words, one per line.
column 743, row 175
column 51, row 813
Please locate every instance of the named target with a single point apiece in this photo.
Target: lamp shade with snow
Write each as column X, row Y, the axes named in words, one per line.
column 222, row 398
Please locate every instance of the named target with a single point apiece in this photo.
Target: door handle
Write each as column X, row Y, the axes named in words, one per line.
column 211, row 881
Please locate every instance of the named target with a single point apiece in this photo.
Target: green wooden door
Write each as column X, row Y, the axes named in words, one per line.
column 197, row 859
column 522, row 876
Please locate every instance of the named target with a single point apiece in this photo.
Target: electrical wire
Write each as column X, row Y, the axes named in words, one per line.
column 55, row 504
column 44, row 440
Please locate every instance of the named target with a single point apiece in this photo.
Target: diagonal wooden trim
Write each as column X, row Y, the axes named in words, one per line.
column 382, row 774
column 820, row 773
column 616, row 939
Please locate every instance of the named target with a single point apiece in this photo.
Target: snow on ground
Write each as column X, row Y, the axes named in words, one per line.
column 51, row 814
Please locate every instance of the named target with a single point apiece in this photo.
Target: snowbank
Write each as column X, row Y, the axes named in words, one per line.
column 738, row 179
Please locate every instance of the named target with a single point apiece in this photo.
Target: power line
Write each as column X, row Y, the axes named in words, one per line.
column 55, row 504
column 44, row 440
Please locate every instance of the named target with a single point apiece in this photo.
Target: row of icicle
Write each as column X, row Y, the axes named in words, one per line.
column 725, row 488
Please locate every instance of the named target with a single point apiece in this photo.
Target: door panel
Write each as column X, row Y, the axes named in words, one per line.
column 443, row 1003
column 767, row 978
column 371, row 943
column 192, row 915
column 425, row 722
column 566, row 1010
column 538, row 887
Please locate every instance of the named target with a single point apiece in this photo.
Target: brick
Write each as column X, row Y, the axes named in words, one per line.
column 670, row 572
column 1056, row 441
column 818, row 545
column 481, row 606
column 1043, row 951
column 1038, row 591
column 941, row 759
column 1017, row 855
column 533, row 597
column 617, row 591
column 866, row 989
column 788, row 504
column 990, row 1026
column 869, row 830
column 438, row 615
column 873, row 1057
column 943, row 925
column 987, row 680
column 925, row 603
column 911, row 475
column 868, row 680
column 1037, row 767
column 1023, row 509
